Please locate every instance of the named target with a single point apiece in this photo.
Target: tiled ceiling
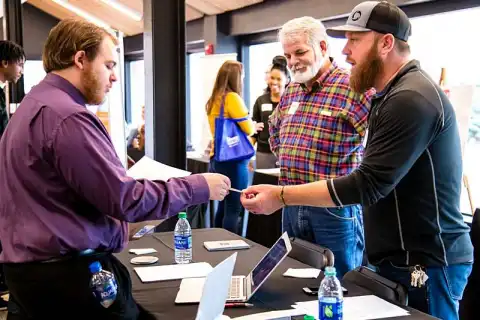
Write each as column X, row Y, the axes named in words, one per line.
column 126, row 15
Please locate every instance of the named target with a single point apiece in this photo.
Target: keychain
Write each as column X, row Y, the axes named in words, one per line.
column 418, row 277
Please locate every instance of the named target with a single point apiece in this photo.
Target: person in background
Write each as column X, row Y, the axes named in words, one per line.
column 136, row 150
column 410, row 179
column 316, row 132
column 66, row 200
column 12, row 60
column 279, row 78
column 227, row 90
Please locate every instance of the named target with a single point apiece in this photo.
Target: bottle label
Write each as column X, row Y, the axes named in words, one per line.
column 330, row 311
column 106, row 293
column 183, row 242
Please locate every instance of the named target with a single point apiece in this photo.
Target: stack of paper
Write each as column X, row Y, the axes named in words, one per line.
column 147, row 168
column 359, row 308
column 302, row 273
column 173, row 272
column 279, row 314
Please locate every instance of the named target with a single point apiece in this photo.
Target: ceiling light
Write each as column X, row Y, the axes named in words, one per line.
column 83, row 14
column 124, row 9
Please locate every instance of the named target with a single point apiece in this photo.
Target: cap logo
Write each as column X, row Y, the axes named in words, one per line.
column 356, row 15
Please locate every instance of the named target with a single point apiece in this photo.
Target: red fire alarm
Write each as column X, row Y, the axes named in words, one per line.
column 209, row 49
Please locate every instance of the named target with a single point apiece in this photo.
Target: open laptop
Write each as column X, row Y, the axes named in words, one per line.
column 242, row 288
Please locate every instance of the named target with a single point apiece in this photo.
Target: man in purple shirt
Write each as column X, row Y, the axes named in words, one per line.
column 65, row 198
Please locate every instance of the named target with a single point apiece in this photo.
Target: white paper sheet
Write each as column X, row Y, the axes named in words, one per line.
column 173, row 272
column 190, row 290
column 279, row 314
column 307, row 273
column 147, row 168
column 359, row 308
column 142, row 251
column 273, row 171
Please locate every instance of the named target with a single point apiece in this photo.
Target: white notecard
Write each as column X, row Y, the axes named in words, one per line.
column 173, row 272
column 359, row 308
column 307, row 273
column 272, row 171
column 142, row 251
column 147, row 168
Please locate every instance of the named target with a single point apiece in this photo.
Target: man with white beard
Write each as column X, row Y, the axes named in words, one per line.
column 316, row 133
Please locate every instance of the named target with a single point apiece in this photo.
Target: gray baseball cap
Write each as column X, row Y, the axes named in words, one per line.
column 379, row 16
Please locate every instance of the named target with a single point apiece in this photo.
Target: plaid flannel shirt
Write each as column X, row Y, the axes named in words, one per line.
column 318, row 134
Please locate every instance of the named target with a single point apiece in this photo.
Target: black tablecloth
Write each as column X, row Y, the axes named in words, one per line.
column 277, row 292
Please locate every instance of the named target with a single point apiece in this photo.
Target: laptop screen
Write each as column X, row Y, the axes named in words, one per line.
column 268, row 263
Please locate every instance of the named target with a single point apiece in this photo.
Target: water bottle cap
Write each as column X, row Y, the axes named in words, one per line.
column 182, row 215
column 330, row 271
column 308, row 317
column 95, row 267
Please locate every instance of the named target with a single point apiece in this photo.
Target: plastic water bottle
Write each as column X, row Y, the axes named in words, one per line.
column 183, row 240
column 103, row 285
column 330, row 297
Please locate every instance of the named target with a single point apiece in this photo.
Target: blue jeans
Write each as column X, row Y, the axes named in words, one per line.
column 338, row 229
column 442, row 292
column 230, row 209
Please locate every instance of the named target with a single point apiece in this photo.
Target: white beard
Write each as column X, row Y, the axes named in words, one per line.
column 312, row 71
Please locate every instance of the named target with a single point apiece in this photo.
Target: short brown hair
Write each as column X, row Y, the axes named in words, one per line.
column 229, row 79
column 402, row 47
column 67, row 38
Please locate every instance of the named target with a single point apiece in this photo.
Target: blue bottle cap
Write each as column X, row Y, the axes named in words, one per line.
column 95, row 267
column 330, row 271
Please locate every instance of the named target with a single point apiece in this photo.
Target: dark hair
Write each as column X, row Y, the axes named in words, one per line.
column 67, row 38
column 229, row 79
column 280, row 63
column 11, row 52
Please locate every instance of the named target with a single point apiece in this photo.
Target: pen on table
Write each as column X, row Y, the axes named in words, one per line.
column 238, row 305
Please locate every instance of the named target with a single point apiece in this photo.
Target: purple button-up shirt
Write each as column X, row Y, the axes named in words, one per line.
column 62, row 186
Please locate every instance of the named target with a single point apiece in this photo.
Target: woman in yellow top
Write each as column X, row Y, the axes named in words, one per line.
column 228, row 86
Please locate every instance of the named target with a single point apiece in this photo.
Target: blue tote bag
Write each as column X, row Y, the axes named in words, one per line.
column 231, row 143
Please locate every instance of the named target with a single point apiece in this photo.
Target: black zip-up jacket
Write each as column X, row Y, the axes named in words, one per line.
column 410, row 179
column 260, row 114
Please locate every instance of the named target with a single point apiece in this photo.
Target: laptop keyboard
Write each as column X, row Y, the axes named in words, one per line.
column 236, row 288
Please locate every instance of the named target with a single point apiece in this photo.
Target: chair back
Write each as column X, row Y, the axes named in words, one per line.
column 311, row 254
column 377, row 285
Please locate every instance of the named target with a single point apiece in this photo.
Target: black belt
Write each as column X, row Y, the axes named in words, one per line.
column 80, row 254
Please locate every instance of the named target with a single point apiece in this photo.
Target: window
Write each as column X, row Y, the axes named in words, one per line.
column 261, row 56
column 197, row 108
column 33, row 73
column 438, row 45
column 137, row 90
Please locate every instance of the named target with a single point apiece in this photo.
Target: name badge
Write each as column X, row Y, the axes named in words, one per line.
column 293, row 107
column 267, row 107
column 326, row 113
column 365, row 138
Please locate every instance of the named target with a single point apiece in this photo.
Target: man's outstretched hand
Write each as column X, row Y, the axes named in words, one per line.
column 262, row 199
